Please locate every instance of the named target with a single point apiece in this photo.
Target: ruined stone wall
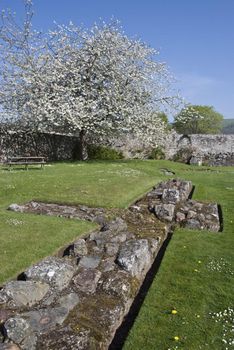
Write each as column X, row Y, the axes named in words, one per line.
column 212, row 149
column 51, row 146
column 202, row 144
column 213, row 143
column 79, row 300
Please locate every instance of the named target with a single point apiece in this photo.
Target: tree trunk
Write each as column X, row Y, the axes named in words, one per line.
column 82, row 147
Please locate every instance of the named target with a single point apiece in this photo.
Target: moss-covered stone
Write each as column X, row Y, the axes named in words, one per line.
column 100, row 314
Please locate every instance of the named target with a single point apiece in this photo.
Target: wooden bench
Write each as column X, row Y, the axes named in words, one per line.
column 26, row 161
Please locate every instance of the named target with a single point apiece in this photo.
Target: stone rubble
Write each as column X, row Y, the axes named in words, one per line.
column 199, row 216
column 79, row 301
column 170, row 202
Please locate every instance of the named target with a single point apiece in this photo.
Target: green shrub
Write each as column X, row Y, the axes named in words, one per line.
column 157, row 153
column 103, row 153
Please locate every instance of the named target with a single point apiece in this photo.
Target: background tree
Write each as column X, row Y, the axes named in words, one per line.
column 195, row 119
column 89, row 82
column 228, row 126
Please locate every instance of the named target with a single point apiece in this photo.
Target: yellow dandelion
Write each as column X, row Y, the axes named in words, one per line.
column 176, row 338
column 198, row 316
column 195, row 270
column 199, row 261
column 174, row 312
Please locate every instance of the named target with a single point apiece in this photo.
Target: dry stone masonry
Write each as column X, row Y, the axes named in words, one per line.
column 205, row 149
column 200, row 216
column 78, row 301
column 213, row 150
column 170, row 203
column 52, row 146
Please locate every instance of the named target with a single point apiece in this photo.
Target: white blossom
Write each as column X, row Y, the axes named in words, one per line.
column 70, row 79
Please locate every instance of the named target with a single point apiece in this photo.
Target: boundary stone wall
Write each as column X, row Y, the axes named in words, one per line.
column 52, row 146
column 207, row 149
column 211, row 149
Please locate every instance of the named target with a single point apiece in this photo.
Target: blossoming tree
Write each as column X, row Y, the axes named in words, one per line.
column 94, row 82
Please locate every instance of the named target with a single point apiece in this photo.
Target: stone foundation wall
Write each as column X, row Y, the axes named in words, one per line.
column 79, row 300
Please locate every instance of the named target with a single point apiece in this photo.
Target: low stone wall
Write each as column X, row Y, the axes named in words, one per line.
column 78, row 301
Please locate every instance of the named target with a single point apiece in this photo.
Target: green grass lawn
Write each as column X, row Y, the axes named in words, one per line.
column 196, row 278
column 196, row 274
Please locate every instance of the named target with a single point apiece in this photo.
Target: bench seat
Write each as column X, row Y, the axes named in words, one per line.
column 26, row 161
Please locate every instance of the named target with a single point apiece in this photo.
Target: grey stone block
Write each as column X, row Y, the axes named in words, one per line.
column 57, row 272
column 134, row 256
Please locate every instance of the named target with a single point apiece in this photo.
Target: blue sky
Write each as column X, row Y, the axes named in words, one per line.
column 195, row 38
